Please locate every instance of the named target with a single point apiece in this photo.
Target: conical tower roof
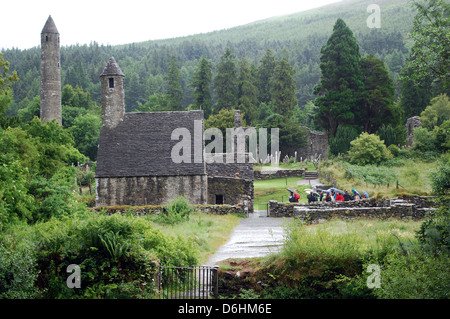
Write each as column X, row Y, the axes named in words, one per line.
column 50, row 26
column 112, row 68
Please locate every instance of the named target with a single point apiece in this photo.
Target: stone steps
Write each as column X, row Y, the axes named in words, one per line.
column 311, row 175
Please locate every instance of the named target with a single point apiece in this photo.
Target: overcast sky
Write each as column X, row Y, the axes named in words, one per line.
column 126, row 21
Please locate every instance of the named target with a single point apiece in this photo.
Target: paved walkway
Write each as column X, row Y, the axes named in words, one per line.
column 255, row 236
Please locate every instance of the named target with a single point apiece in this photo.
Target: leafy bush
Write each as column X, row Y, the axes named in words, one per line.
column 424, row 140
column 414, row 275
column 117, row 255
column 18, row 274
column 395, row 151
column 177, row 211
column 436, row 113
column 368, row 149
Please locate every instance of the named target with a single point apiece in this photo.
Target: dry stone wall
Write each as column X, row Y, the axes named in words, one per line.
column 281, row 173
column 414, row 208
column 157, row 209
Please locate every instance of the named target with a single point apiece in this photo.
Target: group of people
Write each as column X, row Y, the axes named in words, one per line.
column 336, row 196
column 331, row 195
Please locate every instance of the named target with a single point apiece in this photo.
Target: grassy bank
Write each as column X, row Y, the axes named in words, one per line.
column 326, row 260
column 400, row 176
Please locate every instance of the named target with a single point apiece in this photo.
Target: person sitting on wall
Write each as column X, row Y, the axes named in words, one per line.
column 347, row 196
column 339, row 197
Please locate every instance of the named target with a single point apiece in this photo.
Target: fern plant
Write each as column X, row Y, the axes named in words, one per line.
column 114, row 244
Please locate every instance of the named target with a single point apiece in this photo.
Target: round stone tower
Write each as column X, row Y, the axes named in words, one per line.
column 113, row 95
column 50, row 73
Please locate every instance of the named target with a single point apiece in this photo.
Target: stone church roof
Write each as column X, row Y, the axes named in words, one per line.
column 141, row 145
column 112, row 68
column 50, row 26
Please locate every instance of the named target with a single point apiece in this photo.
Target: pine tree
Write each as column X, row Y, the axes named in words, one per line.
column 247, row 91
column 226, row 82
column 174, row 92
column 265, row 73
column 201, row 83
column 283, row 88
column 341, row 80
column 378, row 96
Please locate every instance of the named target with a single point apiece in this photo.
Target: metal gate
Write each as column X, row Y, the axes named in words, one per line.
column 195, row 282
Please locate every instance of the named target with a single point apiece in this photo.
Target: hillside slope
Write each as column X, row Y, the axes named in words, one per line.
column 300, row 36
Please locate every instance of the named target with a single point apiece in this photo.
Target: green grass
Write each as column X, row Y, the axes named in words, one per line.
column 412, row 175
column 338, row 236
column 344, row 241
column 276, row 189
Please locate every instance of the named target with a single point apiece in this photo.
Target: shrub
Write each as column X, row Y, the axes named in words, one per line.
column 436, row 113
column 387, row 134
column 414, row 276
column 177, row 211
column 117, row 255
column 18, row 274
column 368, row 149
column 395, row 151
column 424, row 140
column 340, row 143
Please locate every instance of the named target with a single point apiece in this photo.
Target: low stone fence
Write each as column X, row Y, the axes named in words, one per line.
column 407, row 207
column 157, row 209
column 281, row 173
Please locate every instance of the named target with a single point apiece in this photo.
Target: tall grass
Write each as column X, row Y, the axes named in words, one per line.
column 410, row 175
column 343, row 241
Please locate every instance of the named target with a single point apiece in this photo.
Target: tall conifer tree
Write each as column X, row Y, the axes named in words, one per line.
column 247, row 91
column 225, row 82
column 379, row 95
column 201, row 83
column 265, row 73
column 341, row 80
column 283, row 88
column 174, row 92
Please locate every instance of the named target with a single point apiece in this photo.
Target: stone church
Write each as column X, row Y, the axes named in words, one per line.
column 135, row 165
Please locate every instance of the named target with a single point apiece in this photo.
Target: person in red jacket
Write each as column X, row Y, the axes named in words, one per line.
column 339, row 197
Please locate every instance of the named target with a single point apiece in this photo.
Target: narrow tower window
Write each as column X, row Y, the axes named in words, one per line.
column 111, row 82
column 46, row 38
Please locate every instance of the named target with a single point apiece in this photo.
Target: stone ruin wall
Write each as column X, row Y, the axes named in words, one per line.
column 316, row 144
column 403, row 207
column 158, row 190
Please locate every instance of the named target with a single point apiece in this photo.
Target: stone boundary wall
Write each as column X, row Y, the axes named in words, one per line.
column 281, row 173
column 405, row 207
column 157, row 209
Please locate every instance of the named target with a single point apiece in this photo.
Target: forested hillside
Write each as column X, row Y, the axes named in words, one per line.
column 268, row 69
column 299, row 35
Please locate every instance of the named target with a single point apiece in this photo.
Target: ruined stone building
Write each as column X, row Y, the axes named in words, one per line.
column 50, row 73
column 135, row 164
